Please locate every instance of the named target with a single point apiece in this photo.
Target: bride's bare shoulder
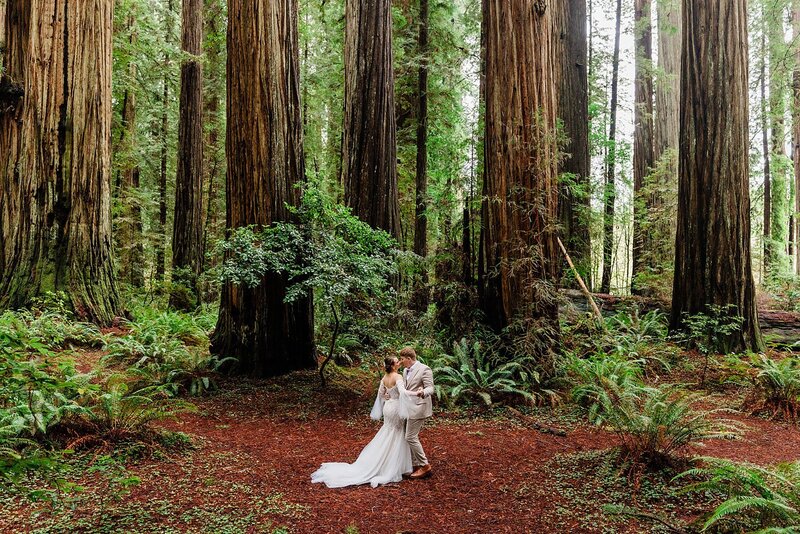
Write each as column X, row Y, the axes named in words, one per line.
column 390, row 380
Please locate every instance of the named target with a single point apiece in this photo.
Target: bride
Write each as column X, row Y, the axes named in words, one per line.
column 387, row 457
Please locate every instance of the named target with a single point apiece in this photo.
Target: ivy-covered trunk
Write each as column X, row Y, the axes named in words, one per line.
column 369, row 151
column 265, row 164
column 55, row 159
column 712, row 247
column 518, row 238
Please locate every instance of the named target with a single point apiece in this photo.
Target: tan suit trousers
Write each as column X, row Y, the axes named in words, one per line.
column 412, row 437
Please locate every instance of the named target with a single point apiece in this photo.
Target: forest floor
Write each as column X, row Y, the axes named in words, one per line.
column 255, row 443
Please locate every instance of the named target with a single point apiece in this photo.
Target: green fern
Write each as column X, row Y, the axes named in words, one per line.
column 763, row 499
column 468, row 375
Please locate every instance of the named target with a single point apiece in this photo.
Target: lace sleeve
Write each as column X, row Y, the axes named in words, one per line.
column 377, row 408
column 403, row 401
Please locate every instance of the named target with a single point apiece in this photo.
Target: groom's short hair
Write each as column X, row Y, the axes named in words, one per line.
column 408, row 352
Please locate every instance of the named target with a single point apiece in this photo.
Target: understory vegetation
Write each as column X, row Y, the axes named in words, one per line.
column 76, row 400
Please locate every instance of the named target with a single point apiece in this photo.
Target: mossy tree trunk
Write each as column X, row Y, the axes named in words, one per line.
column 643, row 148
column 571, row 62
column 55, row 156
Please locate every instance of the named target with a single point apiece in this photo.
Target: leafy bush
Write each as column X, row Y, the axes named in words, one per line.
column 469, row 375
column 711, row 332
column 756, row 498
column 777, row 385
column 326, row 252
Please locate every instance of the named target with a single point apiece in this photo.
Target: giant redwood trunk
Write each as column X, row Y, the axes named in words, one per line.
column 571, row 63
column 369, row 151
column 265, row 163
column 187, row 232
column 520, row 211
column 643, row 149
column 55, row 159
column 712, row 246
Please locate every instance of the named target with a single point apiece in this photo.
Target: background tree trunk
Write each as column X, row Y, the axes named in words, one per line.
column 55, row 157
column 712, row 249
column 265, row 163
column 643, row 149
column 570, row 41
column 610, row 195
column 130, row 239
column 667, row 84
column 778, row 83
column 796, row 130
column 421, row 220
column 767, row 230
column 518, row 239
column 161, row 241
column 187, row 230
column 369, row 160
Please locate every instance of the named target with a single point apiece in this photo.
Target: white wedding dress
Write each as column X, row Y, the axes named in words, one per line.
column 387, row 457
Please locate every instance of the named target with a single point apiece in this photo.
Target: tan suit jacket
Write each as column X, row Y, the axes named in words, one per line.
column 419, row 376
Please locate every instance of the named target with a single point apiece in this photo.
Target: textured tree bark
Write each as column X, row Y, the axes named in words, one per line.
column 667, row 84
column 265, row 164
column 187, row 230
column 129, row 237
column 610, row 196
column 55, row 158
column 369, row 151
column 796, row 131
column 213, row 89
column 570, row 41
column 661, row 251
column 518, row 239
column 712, row 248
column 643, row 148
column 162, row 177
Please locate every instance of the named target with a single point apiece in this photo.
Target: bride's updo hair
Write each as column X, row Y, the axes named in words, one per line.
column 388, row 363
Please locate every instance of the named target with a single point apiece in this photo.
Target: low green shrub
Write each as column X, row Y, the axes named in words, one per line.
column 468, row 375
column 600, row 381
column 755, row 498
column 120, row 414
column 777, row 386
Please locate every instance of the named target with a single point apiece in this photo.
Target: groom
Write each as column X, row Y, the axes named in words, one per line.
column 419, row 384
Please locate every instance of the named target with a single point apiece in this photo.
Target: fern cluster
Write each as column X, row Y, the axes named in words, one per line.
column 470, row 375
column 755, row 498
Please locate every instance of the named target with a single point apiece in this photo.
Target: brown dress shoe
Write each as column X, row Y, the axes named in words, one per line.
column 422, row 472
column 413, row 469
